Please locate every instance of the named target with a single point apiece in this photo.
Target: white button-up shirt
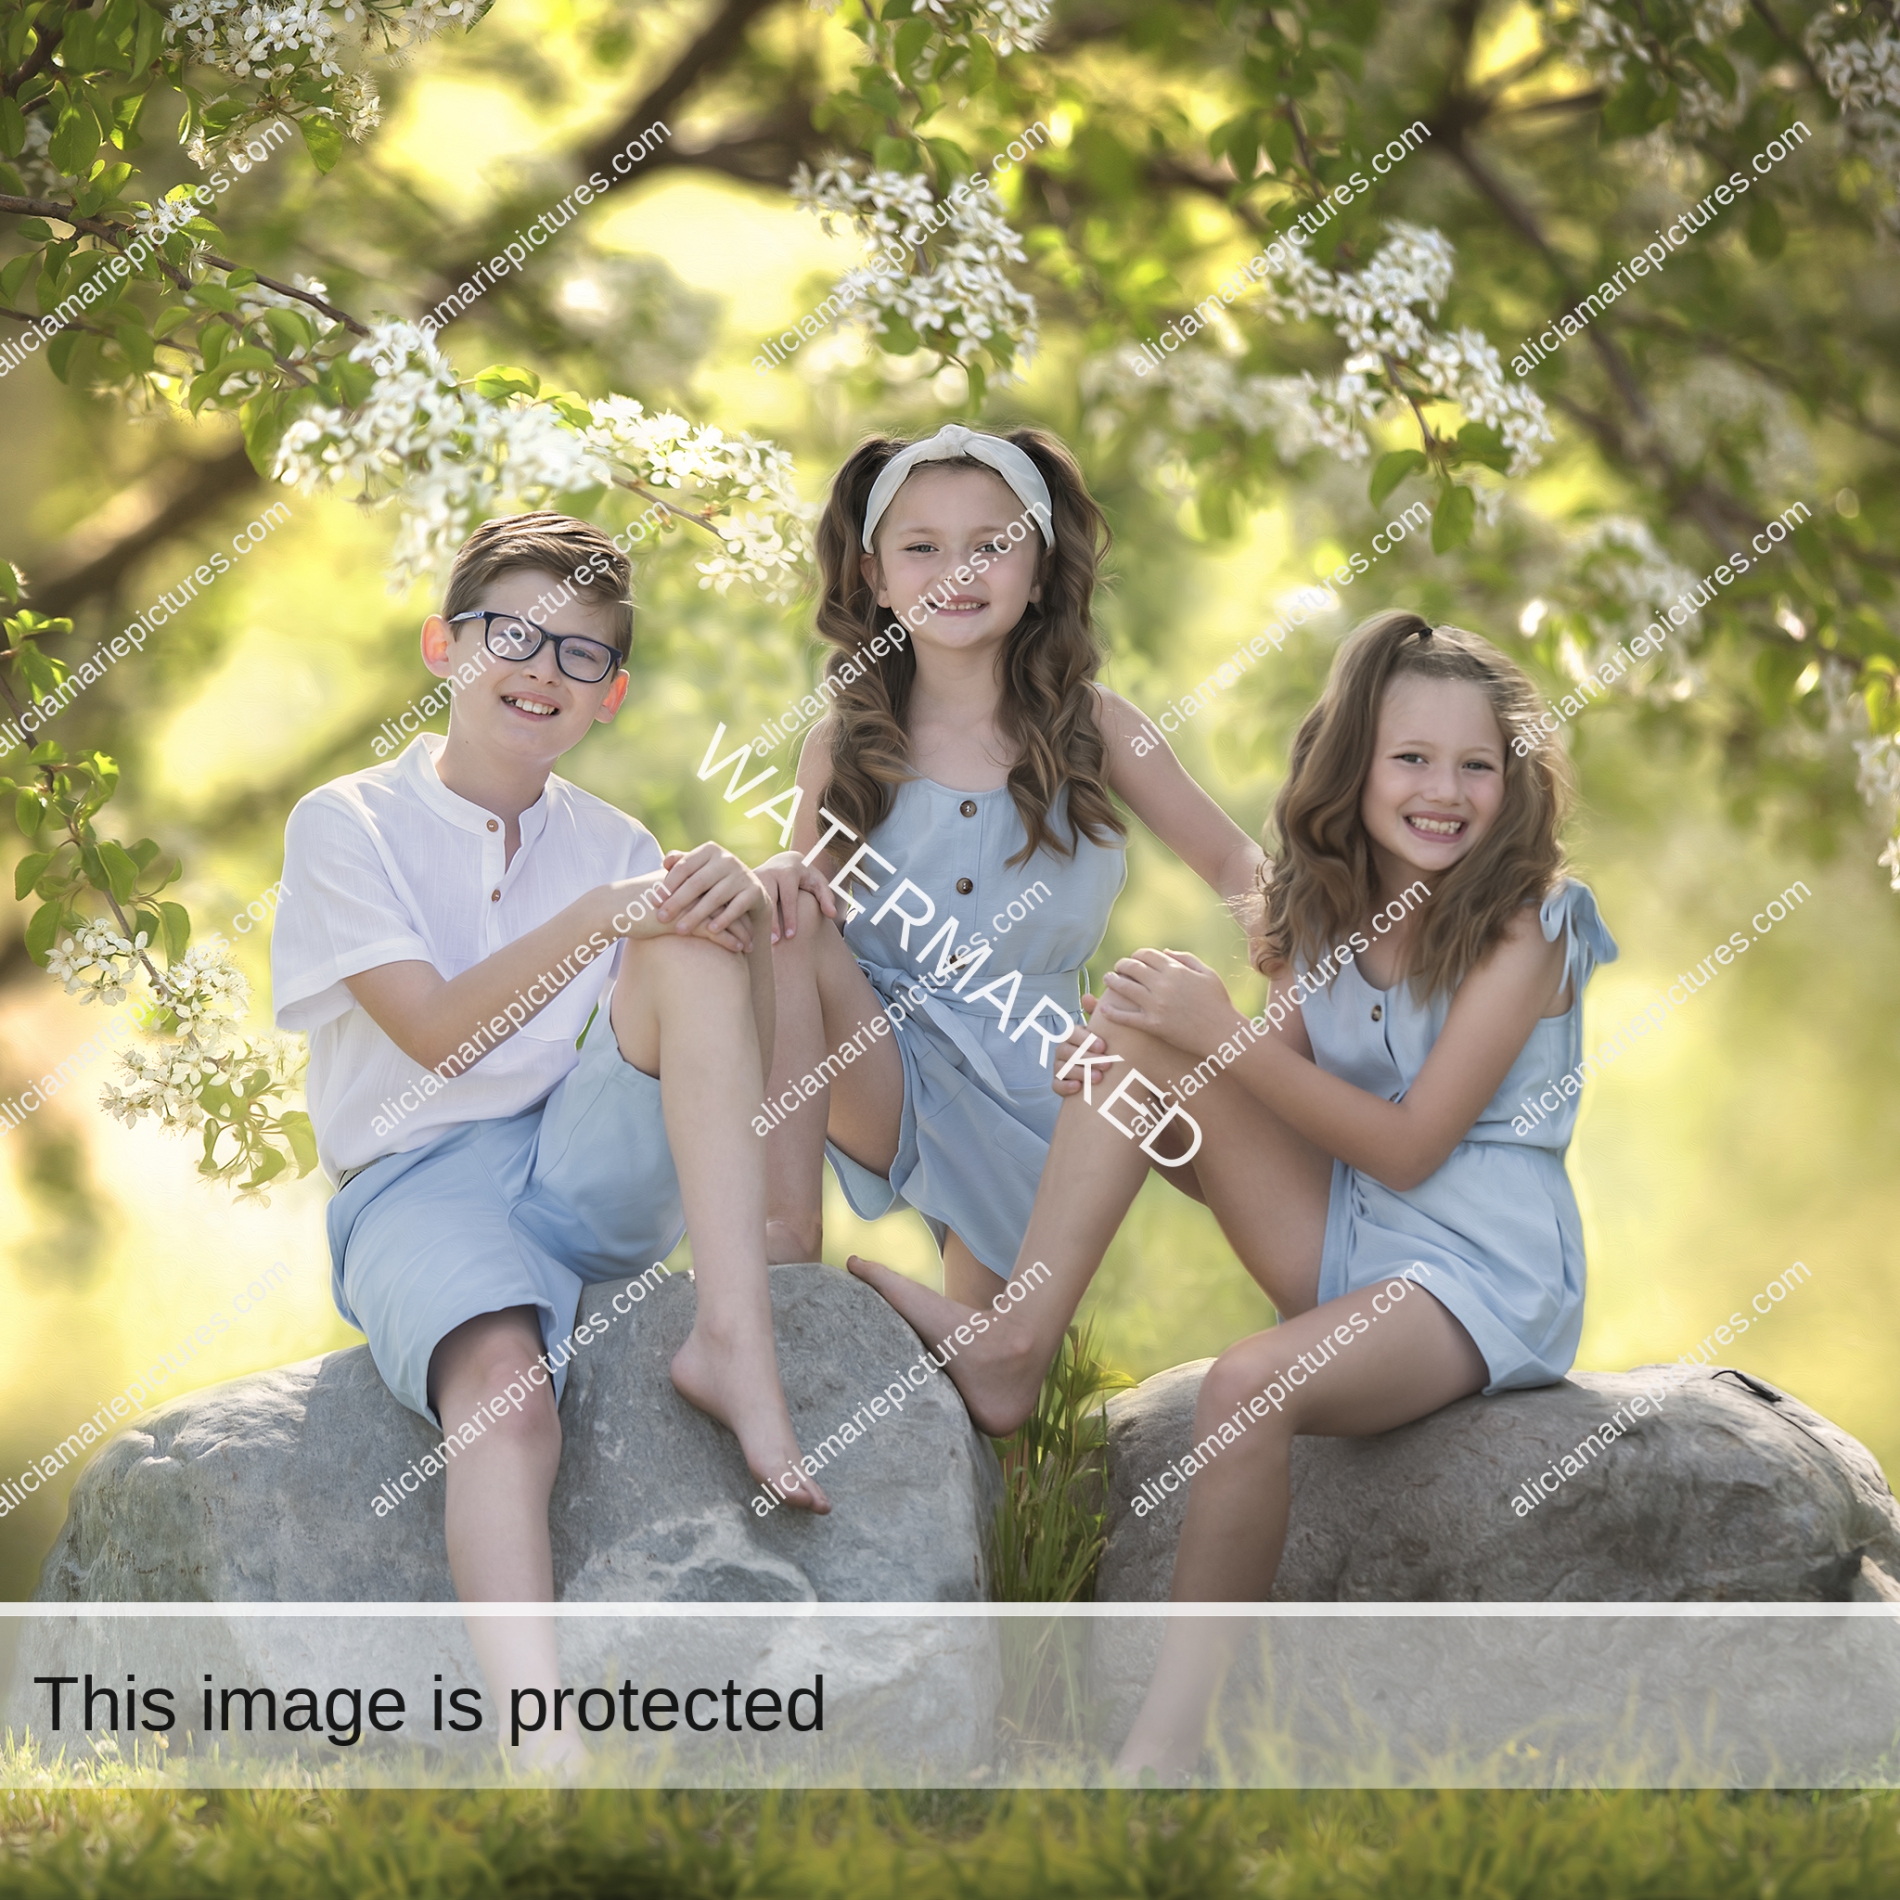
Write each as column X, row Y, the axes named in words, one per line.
column 390, row 866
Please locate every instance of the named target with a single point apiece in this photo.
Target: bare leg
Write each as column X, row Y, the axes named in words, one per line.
column 700, row 1018
column 496, row 1508
column 823, row 1001
column 965, row 1278
column 1266, row 1185
column 1397, row 1365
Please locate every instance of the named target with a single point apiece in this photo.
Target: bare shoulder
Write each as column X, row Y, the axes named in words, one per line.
column 814, row 756
column 1117, row 717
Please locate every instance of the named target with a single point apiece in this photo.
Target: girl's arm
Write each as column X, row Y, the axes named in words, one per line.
column 1158, row 789
column 1399, row 1143
column 785, row 875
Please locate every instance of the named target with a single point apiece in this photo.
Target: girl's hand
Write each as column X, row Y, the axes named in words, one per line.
column 783, row 877
column 1173, row 995
column 1081, row 1037
column 707, row 892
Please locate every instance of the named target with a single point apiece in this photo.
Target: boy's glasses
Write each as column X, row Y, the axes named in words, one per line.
column 510, row 637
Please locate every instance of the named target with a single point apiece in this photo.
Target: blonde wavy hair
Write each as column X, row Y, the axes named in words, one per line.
column 1317, row 883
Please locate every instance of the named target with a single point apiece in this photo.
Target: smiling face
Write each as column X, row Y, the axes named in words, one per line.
column 944, row 562
column 1437, row 778
column 527, row 710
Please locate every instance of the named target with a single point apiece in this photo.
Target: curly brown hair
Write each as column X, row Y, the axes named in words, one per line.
column 1049, row 661
column 1317, row 885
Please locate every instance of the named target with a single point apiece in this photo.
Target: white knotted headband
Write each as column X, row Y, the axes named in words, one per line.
column 950, row 442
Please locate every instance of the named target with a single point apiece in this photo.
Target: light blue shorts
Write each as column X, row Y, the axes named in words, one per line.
column 522, row 1211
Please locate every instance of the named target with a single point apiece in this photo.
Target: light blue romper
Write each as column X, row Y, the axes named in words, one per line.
column 1497, row 1225
column 979, row 1108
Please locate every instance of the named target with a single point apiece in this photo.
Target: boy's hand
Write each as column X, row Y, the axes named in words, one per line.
column 1171, row 994
column 784, row 876
column 1080, row 1037
column 707, row 892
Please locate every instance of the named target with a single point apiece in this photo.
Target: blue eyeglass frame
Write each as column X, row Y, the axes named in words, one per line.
column 489, row 615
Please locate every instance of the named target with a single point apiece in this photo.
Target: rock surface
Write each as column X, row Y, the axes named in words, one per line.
column 262, row 1491
column 1732, row 1490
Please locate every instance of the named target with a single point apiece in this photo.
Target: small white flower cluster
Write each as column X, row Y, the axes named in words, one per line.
column 961, row 296
column 1863, row 76
column 449, row 455
column 279, row 42
column 1716, row 403
column 1009, row 25
column 1606, row 42
column 40, row 177
column 166, row 1080
column 1383, row 313
column 97, row 963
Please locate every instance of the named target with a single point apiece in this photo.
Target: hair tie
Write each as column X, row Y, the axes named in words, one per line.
column 953, row 440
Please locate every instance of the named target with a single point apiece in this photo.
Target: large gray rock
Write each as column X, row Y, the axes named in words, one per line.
column 1733, row 1489
column 1732, row 1492
column 262, row 1491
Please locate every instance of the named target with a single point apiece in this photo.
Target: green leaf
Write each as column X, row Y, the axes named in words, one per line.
column 895, row 155
column 978, row 383
column 213, row 297
column 1765, row 233
column 913, row 38
column 1453, row 519
column 1711, row 65
column 12, row 275
column 12, row 129
column 501, row 380
column 42, row 932
column 118, row 867
column 135, row 344
column 246, row 356
column 295, row 1127
column 262, row 420
column 240, row 279
column 143, row 853
column 896, row 336
column 175, row 930
column 27, row 872
column 77, row 33
column 76, row 137
column 149, row 38
column 323, row 141
column 1393, row 469
column 288, row 330
column 982, row 64
column 35, row 230
column 1480, row 442
column 11, row 581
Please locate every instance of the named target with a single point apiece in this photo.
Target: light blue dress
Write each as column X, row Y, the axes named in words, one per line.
column 979, row 1109
column 1497, row 1225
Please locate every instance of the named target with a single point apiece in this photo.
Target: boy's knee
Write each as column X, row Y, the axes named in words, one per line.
column 1241, row 1375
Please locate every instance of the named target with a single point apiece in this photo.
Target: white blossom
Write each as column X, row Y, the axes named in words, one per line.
column 957, row 295
column 1606, row 43
column 1383, row 313
column 97, row 963
column 1009, row 25
column 1863, row 77
column 450, row 456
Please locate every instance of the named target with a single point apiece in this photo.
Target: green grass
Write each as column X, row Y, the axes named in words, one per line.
column 301, row 1846
column 1046, row 1542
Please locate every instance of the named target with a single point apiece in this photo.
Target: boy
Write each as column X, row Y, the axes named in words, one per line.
column 447, row 933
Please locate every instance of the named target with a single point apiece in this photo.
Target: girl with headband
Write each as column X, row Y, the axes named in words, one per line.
column 960, row 795
column 1363, row 1147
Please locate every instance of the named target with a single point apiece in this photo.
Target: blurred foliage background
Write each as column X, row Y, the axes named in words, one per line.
column 1759, row 1127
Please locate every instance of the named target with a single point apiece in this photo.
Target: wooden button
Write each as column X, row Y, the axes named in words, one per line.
column 968, row 808
column 494, row 824
column 494, row 897
column 964, row 887
column 1377, row 1011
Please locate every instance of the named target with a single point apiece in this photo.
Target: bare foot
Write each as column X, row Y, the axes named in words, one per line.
column 741, row 1389
column 792, row 1241
column 998, row 1373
